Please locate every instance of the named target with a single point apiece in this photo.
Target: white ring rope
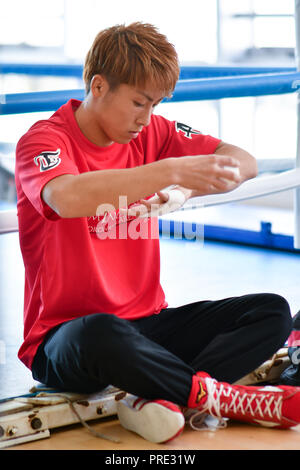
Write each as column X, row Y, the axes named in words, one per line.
column 8, row 221
column 257, row 187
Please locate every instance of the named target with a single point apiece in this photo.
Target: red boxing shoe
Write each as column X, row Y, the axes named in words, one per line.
column 270, row 406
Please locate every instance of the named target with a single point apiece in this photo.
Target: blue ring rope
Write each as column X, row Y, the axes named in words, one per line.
column 186, row 90
column 186, row 71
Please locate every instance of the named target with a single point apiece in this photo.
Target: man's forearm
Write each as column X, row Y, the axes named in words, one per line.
column 81, row 195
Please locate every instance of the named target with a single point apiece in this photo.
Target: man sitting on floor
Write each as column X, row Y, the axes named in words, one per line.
column 95, row 311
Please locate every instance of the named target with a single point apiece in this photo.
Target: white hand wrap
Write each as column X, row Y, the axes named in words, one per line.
column 175, row 201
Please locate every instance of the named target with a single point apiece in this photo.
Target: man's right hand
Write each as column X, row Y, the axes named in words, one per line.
column 205, row 174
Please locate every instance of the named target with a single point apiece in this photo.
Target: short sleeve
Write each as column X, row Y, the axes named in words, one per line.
column 39, row 159
column 185, row 140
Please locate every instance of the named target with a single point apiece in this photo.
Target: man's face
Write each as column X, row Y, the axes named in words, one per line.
column 122, row 113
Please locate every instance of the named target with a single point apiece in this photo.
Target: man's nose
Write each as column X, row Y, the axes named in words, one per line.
column 145, row 117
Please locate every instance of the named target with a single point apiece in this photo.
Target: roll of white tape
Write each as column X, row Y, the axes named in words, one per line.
column 234, row 170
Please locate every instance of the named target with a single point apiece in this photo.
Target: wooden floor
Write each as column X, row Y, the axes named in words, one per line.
column 236, row 436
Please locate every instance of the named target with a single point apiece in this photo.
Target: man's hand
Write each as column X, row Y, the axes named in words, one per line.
column 163, row 201
column 208, row 174
column 216, row 175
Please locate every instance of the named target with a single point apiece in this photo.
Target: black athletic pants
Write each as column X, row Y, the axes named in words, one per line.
column 156, row 357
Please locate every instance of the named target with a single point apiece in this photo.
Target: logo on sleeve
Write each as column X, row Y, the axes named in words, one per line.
column 47, row 160
column 186, row 130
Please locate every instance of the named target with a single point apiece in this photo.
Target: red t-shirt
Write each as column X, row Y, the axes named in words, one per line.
column 70, row 271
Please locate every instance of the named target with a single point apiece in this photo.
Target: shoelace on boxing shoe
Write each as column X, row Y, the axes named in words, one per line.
column 242, row 402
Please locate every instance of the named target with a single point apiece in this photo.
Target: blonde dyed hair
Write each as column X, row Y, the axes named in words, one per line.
column 134, row 55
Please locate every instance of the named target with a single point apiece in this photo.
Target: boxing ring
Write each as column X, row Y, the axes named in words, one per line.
column 195, row 84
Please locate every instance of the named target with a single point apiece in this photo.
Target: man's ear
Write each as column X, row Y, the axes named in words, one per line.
column 99, row 85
